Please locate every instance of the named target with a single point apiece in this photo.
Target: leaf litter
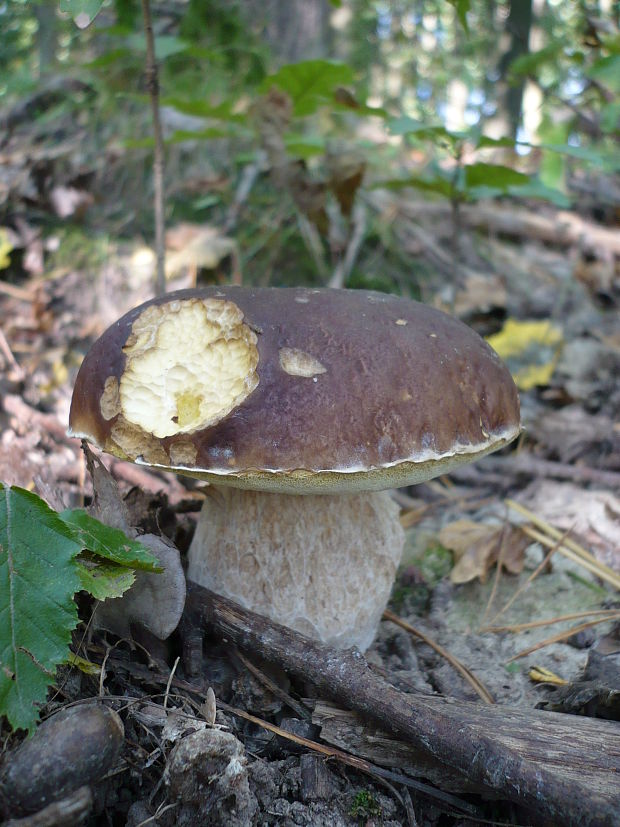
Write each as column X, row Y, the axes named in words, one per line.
column 50, row 314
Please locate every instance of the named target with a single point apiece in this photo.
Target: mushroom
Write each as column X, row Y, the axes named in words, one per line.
column 299, row 407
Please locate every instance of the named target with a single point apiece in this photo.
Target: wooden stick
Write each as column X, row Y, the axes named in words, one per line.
column 505, row 750
column 152, row 83
column 463, row 670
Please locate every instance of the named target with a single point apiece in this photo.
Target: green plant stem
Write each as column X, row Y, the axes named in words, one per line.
column 158, row 159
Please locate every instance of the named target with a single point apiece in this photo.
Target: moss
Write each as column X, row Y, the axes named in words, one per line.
column 364, row 806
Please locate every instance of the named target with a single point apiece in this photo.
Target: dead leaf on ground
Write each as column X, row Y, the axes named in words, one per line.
column 476, row 548
column 571, row 434
column 196, row 246
column 481, row 293
column 531, row 350
column 591, row 516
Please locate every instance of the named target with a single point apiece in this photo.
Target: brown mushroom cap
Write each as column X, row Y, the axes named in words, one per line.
column 294, row 389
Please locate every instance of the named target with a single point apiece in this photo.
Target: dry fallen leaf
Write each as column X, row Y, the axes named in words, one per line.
column 592, row 517
column 540, row 674
column 477, row 546
column 530, row 348
column 196, row 247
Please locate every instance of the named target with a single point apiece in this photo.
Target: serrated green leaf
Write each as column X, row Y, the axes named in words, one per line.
column 82, row 12
column 38, row 578
column 109, row 543
column 104, row 579
column 310, row 83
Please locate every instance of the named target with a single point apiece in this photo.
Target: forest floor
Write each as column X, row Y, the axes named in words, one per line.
column 557, row 490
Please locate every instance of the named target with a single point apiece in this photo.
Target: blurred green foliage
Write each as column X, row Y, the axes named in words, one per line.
column 423, row 89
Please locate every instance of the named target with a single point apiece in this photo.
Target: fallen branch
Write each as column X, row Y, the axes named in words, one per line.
column 502, row 749
column 562, row 228
column 528, row 465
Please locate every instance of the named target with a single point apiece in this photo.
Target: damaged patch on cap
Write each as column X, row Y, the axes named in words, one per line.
column 110, row 402
column 183, row 453
column 190, row 362
column 299, row 363
column 133, row 442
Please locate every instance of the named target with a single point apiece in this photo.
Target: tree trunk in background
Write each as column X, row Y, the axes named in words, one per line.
column 47, row 36
column 518, row 27
column 295, row 29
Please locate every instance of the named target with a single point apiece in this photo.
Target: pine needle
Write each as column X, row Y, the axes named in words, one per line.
column 469, row 676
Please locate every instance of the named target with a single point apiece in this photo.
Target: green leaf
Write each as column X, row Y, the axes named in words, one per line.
column 165, row 45
column 83, row 665
column 200, row 108
column 109, row 543
column 38, row 578
column 493, row 176
column 409, row 126
column 583, row 153
column 82, row 12
column 108, row 59
column 303, row 146
column 530, row 63
column 509, row 143
column 102, row 579
column 442, row 186
column 606, row 71
column 535, row 188
column 310, row 83
column 610, row 117
column 461, row 7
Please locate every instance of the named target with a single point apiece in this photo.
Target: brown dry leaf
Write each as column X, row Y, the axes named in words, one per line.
column 195, row 247
column 68, row 201
column 571, row 434
column 346, row 168
column 480, row 293
column 476, row 548
column 592, row 517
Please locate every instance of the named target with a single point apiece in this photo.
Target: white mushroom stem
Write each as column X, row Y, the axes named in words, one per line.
column 322, row 565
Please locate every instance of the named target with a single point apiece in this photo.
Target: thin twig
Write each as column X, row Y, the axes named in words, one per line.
column 562, row 636
column 15, row 292
column 273, row 687
column 160, row 811
column 469, row 676
column 8, row 355
column 353, row 761
column 343, row 269
column 599, row 569
column 541, row 566
column 498, row 570
column 567, row 546
column 158, row 157
column 604, row 614
column 170, row 677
